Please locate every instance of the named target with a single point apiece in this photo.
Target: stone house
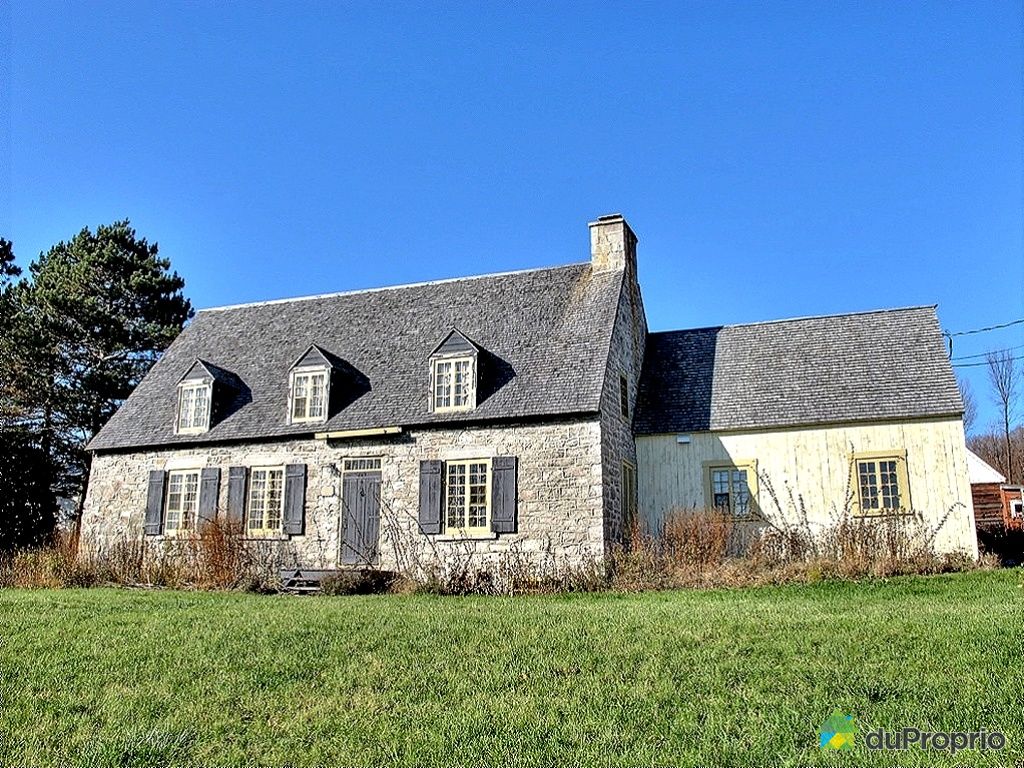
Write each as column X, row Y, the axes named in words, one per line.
column 523, row 414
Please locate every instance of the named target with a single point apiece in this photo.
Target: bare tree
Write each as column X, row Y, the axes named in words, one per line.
column 970, row 404
column 1005, row 381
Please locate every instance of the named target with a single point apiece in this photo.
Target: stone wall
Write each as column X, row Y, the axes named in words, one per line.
column 626, row 355
column 560, row 520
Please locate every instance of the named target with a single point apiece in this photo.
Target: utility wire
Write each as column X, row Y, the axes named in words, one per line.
column 984, row 330
column 986, row 354
column 975, row 365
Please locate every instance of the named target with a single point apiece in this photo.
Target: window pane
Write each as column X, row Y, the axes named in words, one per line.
column 257, row 498
column 741, row 493
column 199, row 407
column 477, row 495
column 888, row 485
column 174, row 498
column 443, row 385
column 868, row 485
column 185, row 407
column 190, row 499
column 461, row 388
column 317, row 396
column 299, row 399
column 361, row 465
column 456, row 498
column 275, row 483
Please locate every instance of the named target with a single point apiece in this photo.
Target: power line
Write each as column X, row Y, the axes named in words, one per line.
column 975, row 365
column 986, row 354
column 985, row 330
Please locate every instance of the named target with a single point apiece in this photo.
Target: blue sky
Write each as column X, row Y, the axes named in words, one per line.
column 775, row 159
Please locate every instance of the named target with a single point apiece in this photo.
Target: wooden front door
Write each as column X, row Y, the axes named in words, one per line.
column 360, row 518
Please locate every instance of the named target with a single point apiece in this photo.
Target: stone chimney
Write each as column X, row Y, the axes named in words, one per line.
column 612, row 244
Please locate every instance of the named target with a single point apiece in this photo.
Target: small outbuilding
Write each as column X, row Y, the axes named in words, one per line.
column 998, row 505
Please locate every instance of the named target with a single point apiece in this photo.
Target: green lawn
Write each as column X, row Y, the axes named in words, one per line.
column 120, row 677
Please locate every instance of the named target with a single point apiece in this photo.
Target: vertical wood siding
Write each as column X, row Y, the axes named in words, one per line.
column 815, row 463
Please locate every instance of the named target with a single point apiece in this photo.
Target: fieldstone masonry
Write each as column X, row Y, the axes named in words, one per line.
column 560, row 520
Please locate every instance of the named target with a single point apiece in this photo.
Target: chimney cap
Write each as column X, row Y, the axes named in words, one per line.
column 608, row 218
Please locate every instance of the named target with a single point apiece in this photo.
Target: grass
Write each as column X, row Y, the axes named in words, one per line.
column 729, row 677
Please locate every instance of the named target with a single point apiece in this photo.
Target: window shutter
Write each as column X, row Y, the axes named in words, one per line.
column 237, row 477
column 209, row 491
column 155, row 503
column 503, row 494
column 430, row 496
column 294, row 499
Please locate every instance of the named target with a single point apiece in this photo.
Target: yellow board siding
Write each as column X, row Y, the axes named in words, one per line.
column 814, row 463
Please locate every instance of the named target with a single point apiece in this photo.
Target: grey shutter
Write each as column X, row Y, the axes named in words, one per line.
column 209, row 491
column 503, row 494
column 294, row 499
column 430, row 496
column 155, row 503
column 237, row 477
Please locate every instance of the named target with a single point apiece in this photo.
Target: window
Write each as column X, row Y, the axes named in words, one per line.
column 361, row 465
column 309, row 396
column 454, row 385
column 628, row 510
column 266, row 501
column 882, row 484
column 193, row 408
column 624, row 396
column 468, row 495
column 1016, row 509
column 732, row 488
column 182, row 501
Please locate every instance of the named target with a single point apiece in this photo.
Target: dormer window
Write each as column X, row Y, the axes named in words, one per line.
column 309, row 395
column 454, row 385
column 203, row 395
column 193, row 407
column 453, row 374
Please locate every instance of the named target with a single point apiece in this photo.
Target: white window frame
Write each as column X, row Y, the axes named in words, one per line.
column 194, row 386
column 188, row 519
column 264, row 530
column 466, row 530
column 1016, row 509
column 309, row 373
column 470, row 384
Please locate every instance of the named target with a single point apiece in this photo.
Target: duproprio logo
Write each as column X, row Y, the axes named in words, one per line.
column 837, row 732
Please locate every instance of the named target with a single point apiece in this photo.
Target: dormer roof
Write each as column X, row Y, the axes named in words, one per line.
column 316, row 356
column 202, row 370
column 454, row 343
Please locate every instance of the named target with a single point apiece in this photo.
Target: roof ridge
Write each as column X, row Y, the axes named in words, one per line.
column 800, row 318
column 378, row 289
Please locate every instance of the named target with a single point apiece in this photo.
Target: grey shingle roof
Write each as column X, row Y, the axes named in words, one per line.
column 889, row 364
column 544, row 333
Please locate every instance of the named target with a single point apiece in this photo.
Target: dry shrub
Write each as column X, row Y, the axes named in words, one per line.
column 218, row 557
column 708, row 549
column 51, row 566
